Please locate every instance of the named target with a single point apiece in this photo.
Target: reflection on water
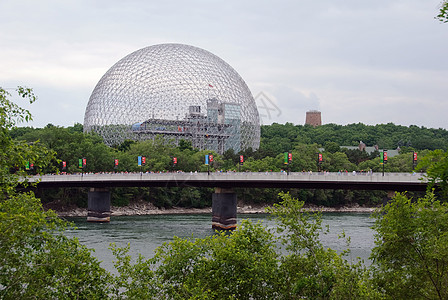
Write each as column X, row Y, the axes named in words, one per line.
column 146, row 233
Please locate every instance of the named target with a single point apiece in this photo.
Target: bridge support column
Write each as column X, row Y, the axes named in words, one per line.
column 224, row 209
column 98, row 205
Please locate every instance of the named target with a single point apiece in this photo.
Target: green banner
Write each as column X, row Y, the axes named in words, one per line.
column 286, row 158
column 80, row 163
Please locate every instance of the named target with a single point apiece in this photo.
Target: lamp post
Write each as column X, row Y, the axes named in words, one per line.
column 319, row 161
column 82, row 164
column 210, row 158
column 207, row 162
column 289, row 161
column 384, row 158
column 115, row 164
column 174, row 163
column 414, row 159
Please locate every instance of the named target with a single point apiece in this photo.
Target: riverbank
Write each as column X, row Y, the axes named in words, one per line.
column 145, row 208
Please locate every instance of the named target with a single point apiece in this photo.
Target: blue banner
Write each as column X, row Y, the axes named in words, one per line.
column 139, row 161
column 206, row 159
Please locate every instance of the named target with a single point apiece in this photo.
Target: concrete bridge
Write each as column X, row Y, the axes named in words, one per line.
column 301, row 180
column 224, row 199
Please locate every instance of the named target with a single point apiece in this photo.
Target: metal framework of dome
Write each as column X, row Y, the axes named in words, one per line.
column 179, row 92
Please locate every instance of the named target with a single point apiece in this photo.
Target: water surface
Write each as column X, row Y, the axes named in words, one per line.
column 146, row 233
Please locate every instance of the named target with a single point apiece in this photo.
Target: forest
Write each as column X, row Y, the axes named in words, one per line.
column 304, row 142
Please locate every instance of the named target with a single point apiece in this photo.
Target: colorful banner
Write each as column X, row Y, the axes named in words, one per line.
column 174, row 160
column 289, row 157
column 139, row 161
column 206, row 159
column 241, row 159
column 320, row 157
column 143, row 160
column 415, row 156
column 27, row 166
column 286, row 158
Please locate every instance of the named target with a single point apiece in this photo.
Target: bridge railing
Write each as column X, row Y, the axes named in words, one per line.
column 237, row 176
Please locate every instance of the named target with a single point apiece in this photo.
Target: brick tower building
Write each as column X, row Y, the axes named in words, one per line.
column 313, row 118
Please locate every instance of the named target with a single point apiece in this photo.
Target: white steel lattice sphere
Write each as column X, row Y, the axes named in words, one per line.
column 178, row 91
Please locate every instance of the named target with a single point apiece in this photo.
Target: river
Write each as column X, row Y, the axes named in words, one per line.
column 146, row 233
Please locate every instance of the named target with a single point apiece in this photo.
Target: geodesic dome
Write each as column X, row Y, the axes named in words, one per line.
column 179, row 92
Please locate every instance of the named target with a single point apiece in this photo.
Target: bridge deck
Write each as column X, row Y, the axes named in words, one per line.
column 360, row 181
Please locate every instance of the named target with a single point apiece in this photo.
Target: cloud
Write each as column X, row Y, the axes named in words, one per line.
column 284, row 104
column 347, row 59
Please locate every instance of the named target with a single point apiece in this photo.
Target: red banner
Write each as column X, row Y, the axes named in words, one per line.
column 143, row 160
column 385, row 156
column 415, row 156
column 174, row 160
column 289, row 156
column 241, row 158
column 320, row 157
column 210, row 158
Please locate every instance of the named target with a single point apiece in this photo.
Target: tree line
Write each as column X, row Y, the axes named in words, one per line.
column 71, row 144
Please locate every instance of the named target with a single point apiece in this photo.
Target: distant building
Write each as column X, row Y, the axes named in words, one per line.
column 313, row 118
column 370, row 150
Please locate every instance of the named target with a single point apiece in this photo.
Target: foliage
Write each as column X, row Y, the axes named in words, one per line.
column 277, row 138
column 36, row 259
column 15, row 154
column 435, row 164
column 246, row 264
column 240, row 265
column 410, row 259
column 310, row 270
column 443, row 12
column 332, row 147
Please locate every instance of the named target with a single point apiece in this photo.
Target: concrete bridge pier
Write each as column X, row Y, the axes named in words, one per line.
column 98, row 205
column 224, row 209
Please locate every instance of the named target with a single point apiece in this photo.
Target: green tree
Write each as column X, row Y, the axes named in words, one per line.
column 240, row 265
column 15, row 155
column 332, row 147
column 435, row 164
column 310, row 270
column 410, row 259
column 36, row 259
column 338, row 161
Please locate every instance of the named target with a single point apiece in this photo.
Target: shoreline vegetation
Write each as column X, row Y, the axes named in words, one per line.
column 142, row 208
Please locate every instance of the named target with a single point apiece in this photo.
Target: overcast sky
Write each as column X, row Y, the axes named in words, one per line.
column 356, row 61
